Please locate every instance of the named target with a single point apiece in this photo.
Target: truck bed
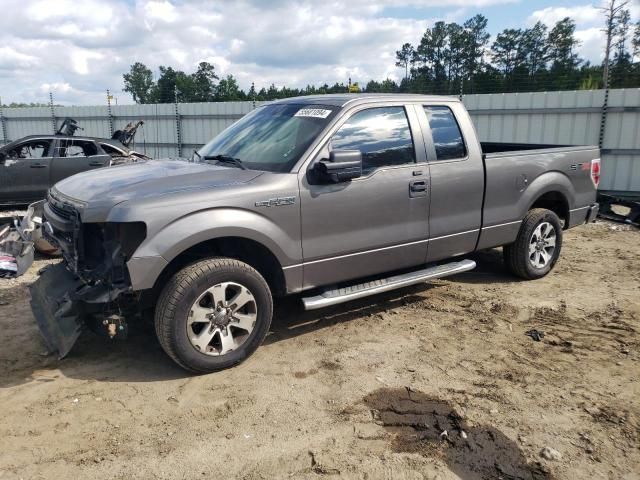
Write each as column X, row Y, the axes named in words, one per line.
column 500, row 147
column 512, row 168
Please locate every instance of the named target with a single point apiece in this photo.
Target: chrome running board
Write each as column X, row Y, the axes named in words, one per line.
column 346, row 294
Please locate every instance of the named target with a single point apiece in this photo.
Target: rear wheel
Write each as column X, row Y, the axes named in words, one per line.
column 537, row 246
column 213, row 314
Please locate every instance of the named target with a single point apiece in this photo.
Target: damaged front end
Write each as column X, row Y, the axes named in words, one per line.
column 92, row 286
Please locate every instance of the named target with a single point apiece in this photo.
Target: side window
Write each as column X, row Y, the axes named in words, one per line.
column 447, row 137
column 381, row 134
column 89, row 149
column 77, row 148
column 74, row 151
column 31, row 149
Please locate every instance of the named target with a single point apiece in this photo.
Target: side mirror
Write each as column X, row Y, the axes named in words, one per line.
column 342, row 166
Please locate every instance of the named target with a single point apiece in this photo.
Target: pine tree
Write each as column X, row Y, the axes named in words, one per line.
column 404, row 57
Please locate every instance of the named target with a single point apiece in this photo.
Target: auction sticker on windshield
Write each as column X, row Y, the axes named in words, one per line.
column 313, row 112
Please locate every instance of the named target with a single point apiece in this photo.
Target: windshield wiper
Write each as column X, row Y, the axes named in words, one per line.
column 226, row 159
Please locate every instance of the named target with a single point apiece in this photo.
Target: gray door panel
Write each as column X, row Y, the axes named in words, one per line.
column 364, row 227
column 24, row 179
column 457, row 189
column 70, row 158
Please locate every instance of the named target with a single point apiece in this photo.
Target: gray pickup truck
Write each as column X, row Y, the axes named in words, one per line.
column 335, row 197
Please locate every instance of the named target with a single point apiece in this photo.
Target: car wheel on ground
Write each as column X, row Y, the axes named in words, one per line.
column 213, row 314
column 537, row 246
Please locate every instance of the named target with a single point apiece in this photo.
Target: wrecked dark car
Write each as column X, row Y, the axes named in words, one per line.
column 31, row 165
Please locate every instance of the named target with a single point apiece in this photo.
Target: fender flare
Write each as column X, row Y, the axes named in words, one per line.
column 158, row 250
column 548, row 182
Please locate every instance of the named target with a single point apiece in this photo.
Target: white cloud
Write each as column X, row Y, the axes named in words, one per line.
column 592, row 41
column 160, row 11
column 81, row 48
column 11, row 59
column 589, row 20
column 55, row 87
column 581, row 14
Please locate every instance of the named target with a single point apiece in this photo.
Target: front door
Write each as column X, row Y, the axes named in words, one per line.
column 376, row 223
column 24, row 172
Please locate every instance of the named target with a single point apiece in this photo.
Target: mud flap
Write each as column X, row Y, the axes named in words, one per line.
column 55, row 311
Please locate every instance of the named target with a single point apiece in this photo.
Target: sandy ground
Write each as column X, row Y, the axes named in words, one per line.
column 363, row 390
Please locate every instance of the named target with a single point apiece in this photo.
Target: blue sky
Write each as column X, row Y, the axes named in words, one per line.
column 78, row 49
column 505, row 15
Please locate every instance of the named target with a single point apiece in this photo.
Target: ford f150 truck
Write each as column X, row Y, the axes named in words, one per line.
column 334, row 197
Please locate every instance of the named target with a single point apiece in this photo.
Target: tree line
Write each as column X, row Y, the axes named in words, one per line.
column 204, row 85
column 449, row 58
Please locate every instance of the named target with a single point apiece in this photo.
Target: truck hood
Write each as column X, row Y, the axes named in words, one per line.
column 113, row 185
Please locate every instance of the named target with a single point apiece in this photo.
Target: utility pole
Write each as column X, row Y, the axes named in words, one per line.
column 110, row 113
column 612, row 12
column 5, row 140
column 53, row 114
column 253, row 95
column 178, row 126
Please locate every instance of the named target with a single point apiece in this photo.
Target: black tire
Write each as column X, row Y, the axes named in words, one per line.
column 180, row 293
column 516, row 255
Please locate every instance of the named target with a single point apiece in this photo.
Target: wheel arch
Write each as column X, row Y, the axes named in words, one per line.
column 240, row 248
column 552, row 191
column 555, row 201
column 235, row 233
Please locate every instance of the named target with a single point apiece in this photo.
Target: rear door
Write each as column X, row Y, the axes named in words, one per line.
column 24, row 173
column 76, row 155
column 376, row 223
column 457, row 180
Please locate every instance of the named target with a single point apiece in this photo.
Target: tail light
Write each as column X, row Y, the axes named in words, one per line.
column 595, row 171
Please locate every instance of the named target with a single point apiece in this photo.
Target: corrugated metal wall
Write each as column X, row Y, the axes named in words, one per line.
column 195, row 123
column 572, row 118
column 541, row 117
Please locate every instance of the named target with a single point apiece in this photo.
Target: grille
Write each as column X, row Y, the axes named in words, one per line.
column 66, row 213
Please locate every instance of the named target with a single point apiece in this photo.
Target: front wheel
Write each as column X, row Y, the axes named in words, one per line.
column 537, row 246
column 213, row 314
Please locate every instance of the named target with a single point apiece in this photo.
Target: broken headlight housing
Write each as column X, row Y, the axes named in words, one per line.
column 104, row 248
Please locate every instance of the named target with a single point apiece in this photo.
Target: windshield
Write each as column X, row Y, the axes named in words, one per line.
column 270, row 138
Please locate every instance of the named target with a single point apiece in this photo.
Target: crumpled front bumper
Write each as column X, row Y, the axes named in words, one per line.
column 56, row 311
column 63, row 304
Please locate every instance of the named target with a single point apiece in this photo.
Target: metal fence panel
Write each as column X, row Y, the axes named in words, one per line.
column 569, row 118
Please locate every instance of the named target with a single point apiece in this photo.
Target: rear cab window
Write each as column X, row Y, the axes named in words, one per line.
column 445, row 131
column 382, row 134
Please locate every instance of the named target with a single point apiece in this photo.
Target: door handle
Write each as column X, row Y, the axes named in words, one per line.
column 418, row 186
column 96, row 164
column 37, row 165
